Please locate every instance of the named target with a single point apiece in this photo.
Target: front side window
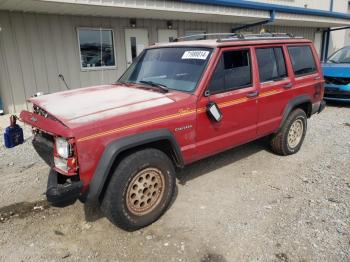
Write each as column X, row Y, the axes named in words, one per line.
column 96, row 48
column 177, row 68
column 302, row 60
column 271, row 64
column 233, row 71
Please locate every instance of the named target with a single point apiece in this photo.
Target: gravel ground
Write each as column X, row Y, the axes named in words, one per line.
column 245, row 204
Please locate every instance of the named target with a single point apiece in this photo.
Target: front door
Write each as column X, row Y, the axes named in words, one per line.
column 166, row 35
column 233, row 88
column 135, row 41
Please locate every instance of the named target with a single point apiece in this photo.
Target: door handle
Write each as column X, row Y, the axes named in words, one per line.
column 287, row 86
column 317, row 78
column 252, row 94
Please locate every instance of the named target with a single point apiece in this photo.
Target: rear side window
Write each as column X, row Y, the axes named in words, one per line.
column 302, row 60
column 233, row 71
column 272, row 66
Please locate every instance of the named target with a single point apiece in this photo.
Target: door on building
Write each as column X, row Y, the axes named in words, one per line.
column 135, row 41
column 166, row 35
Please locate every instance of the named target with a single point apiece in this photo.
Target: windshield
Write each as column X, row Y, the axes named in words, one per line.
column 340, row 57
column 177, row 68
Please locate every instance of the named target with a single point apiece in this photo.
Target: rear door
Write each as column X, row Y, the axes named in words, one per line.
column 276, row 87
column 307, row 72
column 232, row 87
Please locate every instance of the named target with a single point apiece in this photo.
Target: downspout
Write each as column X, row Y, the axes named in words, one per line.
column 326, row 35
column 270, row 20
column 323, row 45
column 331, row 5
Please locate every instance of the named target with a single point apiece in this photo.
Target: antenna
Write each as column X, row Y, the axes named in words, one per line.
column 63, row 80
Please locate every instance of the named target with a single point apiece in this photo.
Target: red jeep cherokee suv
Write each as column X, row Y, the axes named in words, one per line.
column 118, row 145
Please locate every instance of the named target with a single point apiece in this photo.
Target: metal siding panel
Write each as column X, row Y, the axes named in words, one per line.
column 182, row 28
column 316, row 4
column 153, row 29
column 112, row 74
column 118, row 24
column 24, row 52
column 48, row 51
column 58, row 50
column 5, row 85
column 38, row 60
column 70, row 45
column 12, row 64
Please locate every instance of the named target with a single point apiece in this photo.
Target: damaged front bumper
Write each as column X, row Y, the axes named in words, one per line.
column 62, row 194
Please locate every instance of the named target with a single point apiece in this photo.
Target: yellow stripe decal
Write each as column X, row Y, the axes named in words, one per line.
column 140, row 124
column 181, row 113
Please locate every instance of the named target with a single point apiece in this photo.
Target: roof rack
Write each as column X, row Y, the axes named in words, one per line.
column 204, row 36
column 239, row 36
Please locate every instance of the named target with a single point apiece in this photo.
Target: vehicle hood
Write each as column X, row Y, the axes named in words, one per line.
column 336, row 70
column 87, row 105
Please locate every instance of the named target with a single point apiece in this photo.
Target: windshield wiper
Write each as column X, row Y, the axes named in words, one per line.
column 151, row 83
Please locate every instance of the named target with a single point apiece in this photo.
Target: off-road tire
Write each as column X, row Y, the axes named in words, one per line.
column 114, row 204
column 279, row 141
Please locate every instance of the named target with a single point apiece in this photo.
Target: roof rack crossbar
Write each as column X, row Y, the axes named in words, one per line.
column 268, row 34
column 265, row 35
column 236, row 35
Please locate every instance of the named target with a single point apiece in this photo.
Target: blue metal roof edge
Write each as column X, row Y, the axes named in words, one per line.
column 271, row 7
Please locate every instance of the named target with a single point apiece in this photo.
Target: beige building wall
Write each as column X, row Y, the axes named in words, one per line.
column 36, row 48
column 312, row 4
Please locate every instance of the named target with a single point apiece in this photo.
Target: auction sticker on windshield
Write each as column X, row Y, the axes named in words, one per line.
column 195, row 55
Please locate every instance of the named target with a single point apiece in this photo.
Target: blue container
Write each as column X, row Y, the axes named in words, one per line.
column 13, row 134
column 1, row 107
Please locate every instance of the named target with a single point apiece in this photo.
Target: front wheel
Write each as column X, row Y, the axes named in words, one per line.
column 140, row 189
column 289, row 139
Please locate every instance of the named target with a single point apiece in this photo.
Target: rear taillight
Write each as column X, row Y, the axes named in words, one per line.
column 319, row 90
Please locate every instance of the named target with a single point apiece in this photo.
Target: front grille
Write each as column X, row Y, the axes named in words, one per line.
column 43, row 144
column 337, row 80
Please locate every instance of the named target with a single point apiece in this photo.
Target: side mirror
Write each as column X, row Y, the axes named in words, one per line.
column 214, row 112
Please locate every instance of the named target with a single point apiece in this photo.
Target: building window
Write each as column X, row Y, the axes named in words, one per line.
column 302, row 60
column 271, row 63
column 233, row 71
column 96, row 48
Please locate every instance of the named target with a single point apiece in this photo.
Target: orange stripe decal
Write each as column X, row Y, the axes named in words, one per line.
column 181, row 113
column 139, row 124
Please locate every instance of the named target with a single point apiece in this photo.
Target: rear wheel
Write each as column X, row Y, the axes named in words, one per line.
column 140, row 189
column 289, row 139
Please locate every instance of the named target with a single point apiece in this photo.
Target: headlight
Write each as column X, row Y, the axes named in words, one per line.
column 61, row 163
column 62, row 147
